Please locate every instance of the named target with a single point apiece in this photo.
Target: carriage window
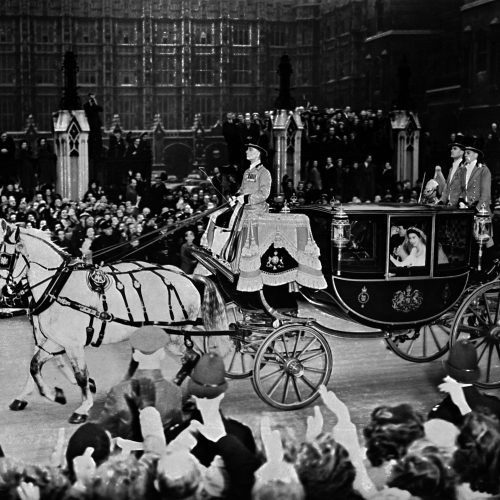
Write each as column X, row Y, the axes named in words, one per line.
column 366, row 247
column 453, row 242
column 409, row 246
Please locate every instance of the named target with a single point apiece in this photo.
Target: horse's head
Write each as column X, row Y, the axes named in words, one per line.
column 11, row 260
column 8, row 233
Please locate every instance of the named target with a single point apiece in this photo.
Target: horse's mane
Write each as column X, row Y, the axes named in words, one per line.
column 45, row 236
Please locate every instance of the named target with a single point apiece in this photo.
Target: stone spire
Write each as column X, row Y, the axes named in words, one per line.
column 285, row 100
column 70, row 99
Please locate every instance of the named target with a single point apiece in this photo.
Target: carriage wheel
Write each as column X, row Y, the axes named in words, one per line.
column 290, row 365
column 423, row 343
column 478, row 320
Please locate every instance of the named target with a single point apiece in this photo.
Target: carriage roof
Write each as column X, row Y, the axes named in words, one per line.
column 387, row 208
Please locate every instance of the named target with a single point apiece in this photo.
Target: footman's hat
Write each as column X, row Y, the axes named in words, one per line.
column 207, row 378
column 462, row 363
column 459, row 141
column 258, row 148
column 473, row 144
column 148, row 339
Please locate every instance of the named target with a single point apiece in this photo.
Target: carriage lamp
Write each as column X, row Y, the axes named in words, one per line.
column 482, row 230
column 341, row 232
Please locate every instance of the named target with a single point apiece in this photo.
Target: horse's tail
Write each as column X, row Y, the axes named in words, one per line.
column 213, row 307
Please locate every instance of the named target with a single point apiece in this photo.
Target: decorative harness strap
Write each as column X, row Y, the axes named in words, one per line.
column 54, row 287
column 105, row 317
column 121, row 288
column 170, row 288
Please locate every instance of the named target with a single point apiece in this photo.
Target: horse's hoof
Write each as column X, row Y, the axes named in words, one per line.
column 77, row 418
column 18, row 405
column 92, row 386
column 60, row 397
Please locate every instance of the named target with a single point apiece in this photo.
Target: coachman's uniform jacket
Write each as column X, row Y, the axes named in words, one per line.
column 256, row 186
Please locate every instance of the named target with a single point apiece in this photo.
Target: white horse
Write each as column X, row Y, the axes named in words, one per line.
column 73, row 306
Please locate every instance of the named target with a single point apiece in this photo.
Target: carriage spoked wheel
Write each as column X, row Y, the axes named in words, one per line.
column 290, row 365
column 423, row 343
column 478, row 320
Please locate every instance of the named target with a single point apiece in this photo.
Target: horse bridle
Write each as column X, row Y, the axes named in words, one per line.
column 9, row 261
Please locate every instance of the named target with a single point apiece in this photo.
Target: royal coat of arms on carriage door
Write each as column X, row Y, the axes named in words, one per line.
column 407, row 300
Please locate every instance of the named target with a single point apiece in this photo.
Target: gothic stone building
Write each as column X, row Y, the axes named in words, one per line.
column 176, row 58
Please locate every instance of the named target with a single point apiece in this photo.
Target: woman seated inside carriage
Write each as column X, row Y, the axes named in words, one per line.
column 412, row 251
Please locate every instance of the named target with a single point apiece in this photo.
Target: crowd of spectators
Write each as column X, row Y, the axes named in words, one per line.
column 453, row 454
column 343, row 155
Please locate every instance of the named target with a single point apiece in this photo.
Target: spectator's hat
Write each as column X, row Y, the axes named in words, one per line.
column 105, row 224
column 207, row 378
column 473, row 144
column 84, row 214
column 262, row 151
column 462, row 363
column 148, row 339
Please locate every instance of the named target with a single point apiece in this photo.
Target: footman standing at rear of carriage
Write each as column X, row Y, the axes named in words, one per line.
column 455, row 183
column 477, row 178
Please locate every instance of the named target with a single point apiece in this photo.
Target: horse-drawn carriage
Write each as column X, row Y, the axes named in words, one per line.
column 417, row 308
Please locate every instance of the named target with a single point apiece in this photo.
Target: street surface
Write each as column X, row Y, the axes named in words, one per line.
column 365, row 374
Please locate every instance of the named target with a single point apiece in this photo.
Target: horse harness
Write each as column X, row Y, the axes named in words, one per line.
column 99, row 282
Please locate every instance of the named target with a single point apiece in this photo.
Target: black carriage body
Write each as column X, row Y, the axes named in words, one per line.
column 364, row 282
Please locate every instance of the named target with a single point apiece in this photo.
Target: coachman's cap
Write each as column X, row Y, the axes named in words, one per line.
column 148, row 339
column 258, row 148
column 462, row 364
column 207, row 378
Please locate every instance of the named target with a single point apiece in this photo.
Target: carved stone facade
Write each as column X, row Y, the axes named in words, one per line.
column 182, row 57
column 172, row 57
column 71, row 132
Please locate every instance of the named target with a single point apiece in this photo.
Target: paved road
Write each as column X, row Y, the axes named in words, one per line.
column 365, row 374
